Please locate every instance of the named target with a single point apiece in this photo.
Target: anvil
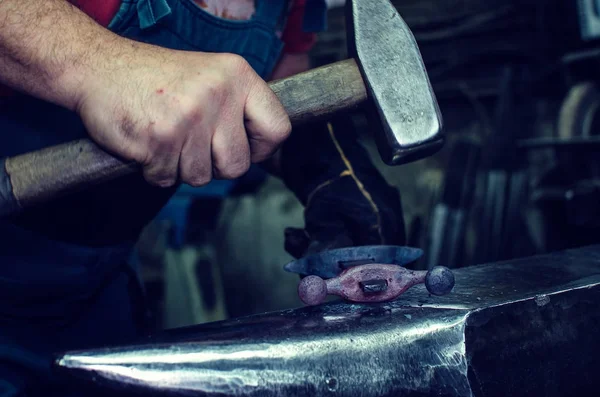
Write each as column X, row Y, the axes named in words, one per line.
column 526, row 327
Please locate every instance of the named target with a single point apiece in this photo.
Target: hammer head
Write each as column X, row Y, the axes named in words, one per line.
column 397, row 82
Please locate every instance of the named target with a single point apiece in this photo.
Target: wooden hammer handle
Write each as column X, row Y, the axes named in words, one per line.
column 39, row 176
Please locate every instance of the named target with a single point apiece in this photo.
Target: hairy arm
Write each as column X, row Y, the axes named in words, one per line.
column 184, row 116
column 48, row 48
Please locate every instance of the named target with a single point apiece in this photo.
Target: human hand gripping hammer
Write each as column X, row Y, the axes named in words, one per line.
column 386, row 76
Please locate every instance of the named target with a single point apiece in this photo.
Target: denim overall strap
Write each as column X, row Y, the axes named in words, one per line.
column 315, row 16
column 152, row 11
column 272, row 13
column 183, row 25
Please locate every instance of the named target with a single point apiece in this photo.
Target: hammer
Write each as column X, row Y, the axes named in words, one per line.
column 385, row 75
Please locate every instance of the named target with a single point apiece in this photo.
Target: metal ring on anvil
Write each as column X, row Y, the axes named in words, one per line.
column 332, row 263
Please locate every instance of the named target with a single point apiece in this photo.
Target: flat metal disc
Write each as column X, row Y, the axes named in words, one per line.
column 331, row 263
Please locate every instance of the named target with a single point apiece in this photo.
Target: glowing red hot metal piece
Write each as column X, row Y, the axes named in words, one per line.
column 374, row 283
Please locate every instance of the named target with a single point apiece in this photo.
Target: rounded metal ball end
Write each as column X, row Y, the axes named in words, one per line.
column 312, row 290
column 439, row 281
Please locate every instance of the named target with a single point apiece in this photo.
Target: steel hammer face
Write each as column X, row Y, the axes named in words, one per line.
column 408, row 118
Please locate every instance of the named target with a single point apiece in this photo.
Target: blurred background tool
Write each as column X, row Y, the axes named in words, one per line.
column 448, row 225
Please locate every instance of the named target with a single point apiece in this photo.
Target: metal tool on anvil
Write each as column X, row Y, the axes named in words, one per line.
column 527, row 327
column 386, row 75
column 366, row 274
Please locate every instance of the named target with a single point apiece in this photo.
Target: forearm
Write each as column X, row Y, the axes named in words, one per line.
column 48, row 48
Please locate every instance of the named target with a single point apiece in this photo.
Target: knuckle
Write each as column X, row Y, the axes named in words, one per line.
column 164, row 136
column 213, row 86
column 286, row 129
column 133, row 151
column 195, row 172
column 160, row 179
column 165, row 183
column 231, row 156
column 279, row 130
column 236, row 64
column 199, row 181
column 214, row 91
column 161, row 141
column 190, row 108
column 236, row 169
column 274, row 137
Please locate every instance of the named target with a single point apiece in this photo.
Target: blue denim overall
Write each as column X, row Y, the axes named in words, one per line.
column 64, row 279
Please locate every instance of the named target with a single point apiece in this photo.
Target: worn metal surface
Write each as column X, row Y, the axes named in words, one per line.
column 519, row 328
column 332, row 263
column 397, row 80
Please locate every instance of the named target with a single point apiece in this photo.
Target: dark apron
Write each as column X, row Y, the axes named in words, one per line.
column 64, row 279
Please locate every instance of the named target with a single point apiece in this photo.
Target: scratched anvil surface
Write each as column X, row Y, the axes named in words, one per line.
column 520, row 328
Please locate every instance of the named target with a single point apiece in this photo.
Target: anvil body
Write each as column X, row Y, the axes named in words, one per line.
column 520, row 328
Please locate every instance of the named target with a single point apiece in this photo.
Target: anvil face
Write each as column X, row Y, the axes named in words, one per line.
column 519, row 328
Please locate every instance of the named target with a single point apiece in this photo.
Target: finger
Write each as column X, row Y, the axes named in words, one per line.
column 161, row 168
column 230, row 151
column 267, row 122
column 195, row 164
